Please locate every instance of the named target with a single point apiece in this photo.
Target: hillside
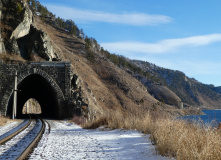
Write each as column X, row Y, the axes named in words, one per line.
column 191, row 92
column 99, row 84
column 104, row 85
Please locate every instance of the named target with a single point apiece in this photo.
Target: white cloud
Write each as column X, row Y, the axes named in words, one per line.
column 136, row 19
column 160, row 47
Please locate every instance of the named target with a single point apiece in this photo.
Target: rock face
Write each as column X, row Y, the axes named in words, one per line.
column 190, row 91
column 2, row 46
column 215, row 89
column 21, row 36
column 24, row 27
column 77, row 101
column 36, row 42
column 161, row 93
column 165, row 95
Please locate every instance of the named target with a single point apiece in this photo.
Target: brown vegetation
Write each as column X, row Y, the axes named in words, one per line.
column 9, row 58
column 186, row 141
column 3, row 120
column 219, row 127
column 79, row 120
column 124, row 120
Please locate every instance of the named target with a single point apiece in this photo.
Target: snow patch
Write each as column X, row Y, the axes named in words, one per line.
column 69, row 141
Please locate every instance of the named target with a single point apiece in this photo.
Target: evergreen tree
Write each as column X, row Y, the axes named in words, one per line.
column 82, row 33
column 29, row 2
column 102, row 50
column 33, row 5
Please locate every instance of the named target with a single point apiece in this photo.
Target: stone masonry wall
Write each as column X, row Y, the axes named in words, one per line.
column 56, row 73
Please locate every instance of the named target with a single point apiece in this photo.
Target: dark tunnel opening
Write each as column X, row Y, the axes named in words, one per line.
column 37, row 87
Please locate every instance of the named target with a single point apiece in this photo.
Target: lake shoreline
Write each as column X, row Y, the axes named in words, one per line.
column 210, row 117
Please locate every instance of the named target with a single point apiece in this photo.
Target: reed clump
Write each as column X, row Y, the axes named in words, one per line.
column 183, row 140
column 119, row 119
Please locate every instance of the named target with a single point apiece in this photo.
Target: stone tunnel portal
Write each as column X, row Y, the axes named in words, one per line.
column 37, row 87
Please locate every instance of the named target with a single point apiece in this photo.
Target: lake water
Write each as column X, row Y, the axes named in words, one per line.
column 212, row 117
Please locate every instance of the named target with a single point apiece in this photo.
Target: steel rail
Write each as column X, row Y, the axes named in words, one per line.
column 28, row 150
column 4, row 140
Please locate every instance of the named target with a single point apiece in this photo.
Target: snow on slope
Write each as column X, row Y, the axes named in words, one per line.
column 69, row 141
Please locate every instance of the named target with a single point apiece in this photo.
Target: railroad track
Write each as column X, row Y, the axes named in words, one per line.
column 21, row 142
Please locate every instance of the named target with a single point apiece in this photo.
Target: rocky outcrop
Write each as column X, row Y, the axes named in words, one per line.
column 215, row 89
column 21, row 37
column 37, row 42
column 46, row 49
column 2, row 46
column 161, row 93
column 24, row 27
column 12, row 46
column 77, row 102
column 165, row 95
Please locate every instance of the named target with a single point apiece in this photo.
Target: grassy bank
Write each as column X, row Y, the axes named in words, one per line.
column 175, row 138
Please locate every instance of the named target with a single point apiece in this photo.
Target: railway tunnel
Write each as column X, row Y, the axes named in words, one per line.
column 47, row 82
column 37, row 87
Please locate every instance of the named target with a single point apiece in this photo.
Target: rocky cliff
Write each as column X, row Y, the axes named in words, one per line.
column 161, row 92
column 19, row 34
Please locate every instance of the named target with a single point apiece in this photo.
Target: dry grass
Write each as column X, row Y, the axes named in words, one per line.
column 184, row 140
column 79, row 120
column 8, row 58
column 120, row 119
column 3, row 120
column 173, row 138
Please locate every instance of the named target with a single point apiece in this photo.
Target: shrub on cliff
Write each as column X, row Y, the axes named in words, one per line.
column 19, row 8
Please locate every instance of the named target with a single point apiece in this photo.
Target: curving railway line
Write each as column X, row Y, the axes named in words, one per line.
column 19, row 142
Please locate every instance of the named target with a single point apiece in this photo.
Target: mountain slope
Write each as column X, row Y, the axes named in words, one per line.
column 190, row 91
column 104, row 85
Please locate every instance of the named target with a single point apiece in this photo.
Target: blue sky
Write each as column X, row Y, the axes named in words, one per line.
column 179, row 35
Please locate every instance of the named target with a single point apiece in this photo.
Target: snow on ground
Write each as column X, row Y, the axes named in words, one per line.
column 14, row 147
column 69, row 141
column 11, row 125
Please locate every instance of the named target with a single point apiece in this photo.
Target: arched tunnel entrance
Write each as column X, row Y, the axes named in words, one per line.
column 37, row 87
